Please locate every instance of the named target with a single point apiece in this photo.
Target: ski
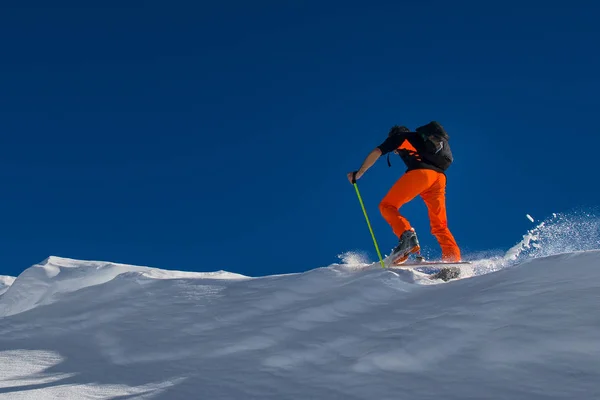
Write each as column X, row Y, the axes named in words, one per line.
column 429, row 264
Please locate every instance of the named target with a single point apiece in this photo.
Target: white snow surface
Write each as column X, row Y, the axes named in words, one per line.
column 524, row 329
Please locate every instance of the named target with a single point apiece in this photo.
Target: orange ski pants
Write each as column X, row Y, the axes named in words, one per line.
column 431, row 186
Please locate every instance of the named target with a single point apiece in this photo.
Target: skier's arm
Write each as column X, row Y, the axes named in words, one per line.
column 390, row 144
column 368, row 162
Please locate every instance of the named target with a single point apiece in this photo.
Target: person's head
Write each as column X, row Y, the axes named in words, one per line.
column 397, row 129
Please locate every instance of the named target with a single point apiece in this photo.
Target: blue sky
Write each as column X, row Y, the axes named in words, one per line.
column 218, row 135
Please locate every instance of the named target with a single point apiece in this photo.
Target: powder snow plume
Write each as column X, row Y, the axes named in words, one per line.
column 560, row 233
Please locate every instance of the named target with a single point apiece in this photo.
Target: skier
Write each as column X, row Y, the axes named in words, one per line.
column 427, row 155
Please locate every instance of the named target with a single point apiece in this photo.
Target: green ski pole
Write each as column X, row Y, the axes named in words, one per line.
column 368, row 223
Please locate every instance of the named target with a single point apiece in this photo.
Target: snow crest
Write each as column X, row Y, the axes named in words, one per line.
column 5, row 283
column 42, row 283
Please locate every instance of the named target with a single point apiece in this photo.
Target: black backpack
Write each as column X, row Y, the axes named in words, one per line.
column 436, row 149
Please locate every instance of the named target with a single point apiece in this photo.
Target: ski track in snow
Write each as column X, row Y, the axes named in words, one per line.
column 82, row 330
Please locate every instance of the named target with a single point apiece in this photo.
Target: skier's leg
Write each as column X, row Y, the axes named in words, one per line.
column 404, row 190
column 435, row 200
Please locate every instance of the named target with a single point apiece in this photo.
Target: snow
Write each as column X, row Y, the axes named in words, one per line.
column 529, row 217
column 5, row 282
column 523, row 325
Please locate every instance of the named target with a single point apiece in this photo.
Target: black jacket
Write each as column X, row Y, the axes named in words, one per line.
column 410, row 157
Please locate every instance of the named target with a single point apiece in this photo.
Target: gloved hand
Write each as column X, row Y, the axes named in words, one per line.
column 354, row 176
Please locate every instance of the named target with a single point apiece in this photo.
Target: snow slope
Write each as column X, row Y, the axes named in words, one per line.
column 101, row 330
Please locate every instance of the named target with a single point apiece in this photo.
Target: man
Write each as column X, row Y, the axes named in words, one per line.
column 427, row 155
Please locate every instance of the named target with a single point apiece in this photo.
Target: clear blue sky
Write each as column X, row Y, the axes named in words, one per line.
column 217, row 135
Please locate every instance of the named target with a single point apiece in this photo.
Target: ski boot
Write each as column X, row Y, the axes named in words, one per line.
column 408, row 243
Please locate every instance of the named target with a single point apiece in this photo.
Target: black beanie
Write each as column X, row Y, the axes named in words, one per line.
column 398, row 129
